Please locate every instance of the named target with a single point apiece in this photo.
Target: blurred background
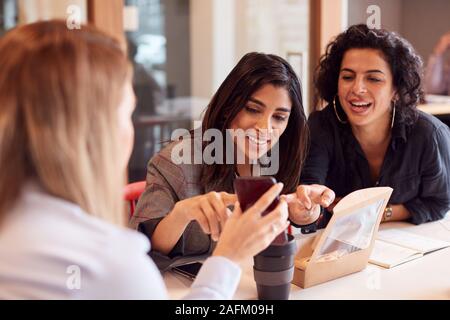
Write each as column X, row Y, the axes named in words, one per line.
column 182, row 50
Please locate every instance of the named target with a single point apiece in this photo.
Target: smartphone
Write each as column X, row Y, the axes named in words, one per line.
column 250, row 189
column 189, row 270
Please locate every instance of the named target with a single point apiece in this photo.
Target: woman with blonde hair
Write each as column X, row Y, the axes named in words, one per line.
column 65, row 140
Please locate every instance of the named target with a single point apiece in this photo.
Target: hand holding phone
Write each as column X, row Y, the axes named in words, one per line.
column 250, row 189
column 247, row 233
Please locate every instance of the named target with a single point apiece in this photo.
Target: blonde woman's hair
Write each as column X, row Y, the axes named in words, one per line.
column 59, row 94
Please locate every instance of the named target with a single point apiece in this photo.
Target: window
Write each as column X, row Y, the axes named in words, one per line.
column 8, row 15
column 159, row 50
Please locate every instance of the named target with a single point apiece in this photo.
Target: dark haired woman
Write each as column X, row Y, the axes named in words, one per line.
column 371, row 133
column 184, row 205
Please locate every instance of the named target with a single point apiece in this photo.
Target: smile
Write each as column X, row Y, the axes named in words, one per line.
column 359, row 106
column 258, row 141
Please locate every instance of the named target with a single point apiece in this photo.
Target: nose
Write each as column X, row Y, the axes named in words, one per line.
column 264, row 126
column 359, row 86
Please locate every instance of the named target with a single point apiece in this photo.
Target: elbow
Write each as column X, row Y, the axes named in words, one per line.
column 440, row 211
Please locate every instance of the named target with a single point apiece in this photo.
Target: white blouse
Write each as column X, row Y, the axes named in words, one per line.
column 51, row 249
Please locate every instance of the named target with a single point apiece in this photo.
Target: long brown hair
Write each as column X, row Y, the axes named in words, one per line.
column 59, row 93
column 252, row 72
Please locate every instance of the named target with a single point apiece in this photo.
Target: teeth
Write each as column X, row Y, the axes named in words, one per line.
column 360, row 104
column 256, row 141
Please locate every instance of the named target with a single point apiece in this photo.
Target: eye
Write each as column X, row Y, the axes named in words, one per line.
column 280, row 118
column 346, row 77
column 251, row 109
column 374, row 79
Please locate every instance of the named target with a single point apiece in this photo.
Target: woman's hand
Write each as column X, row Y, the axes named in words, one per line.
column 304, row 205
column 247, row 234
column 209, row 210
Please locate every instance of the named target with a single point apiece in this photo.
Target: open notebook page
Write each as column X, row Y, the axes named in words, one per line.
column 389, row 255
column 412, row 241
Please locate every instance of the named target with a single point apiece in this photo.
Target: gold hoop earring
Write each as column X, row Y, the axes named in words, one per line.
column 393, row 115
column 335, row 111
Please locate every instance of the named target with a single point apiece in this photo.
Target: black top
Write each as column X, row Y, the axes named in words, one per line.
column 416, row 164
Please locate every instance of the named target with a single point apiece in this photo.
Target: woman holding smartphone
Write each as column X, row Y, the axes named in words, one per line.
column 65, row 137
column 183, row 208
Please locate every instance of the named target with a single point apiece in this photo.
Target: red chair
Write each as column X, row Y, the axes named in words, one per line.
column 132, row 192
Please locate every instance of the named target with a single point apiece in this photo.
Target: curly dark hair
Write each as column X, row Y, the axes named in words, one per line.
column 406, row 66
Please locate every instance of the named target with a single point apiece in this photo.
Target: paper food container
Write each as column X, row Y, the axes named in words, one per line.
column 344, row 246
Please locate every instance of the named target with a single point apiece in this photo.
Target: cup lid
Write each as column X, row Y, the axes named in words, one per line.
column 283, row 249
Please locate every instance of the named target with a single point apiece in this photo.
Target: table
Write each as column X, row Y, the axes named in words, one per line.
column 425, row 278
column 436, row 109
column 439, row 106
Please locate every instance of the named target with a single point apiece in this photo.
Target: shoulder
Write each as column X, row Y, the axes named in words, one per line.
column 324, row 115
column 428, row 126
column 323, row 124
column 323, row 119
column 429, row 135
column 61, row 252
column 176, row 162
column 126, row 271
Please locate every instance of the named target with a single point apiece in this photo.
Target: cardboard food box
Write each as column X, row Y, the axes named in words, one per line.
column 344, row 246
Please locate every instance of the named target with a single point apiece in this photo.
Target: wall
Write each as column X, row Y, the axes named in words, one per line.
column 421, row 22
column 424, row 22
column 33, row 10
column 278, row 27
column 391, row 12
column 222, row 31
column 334, row 19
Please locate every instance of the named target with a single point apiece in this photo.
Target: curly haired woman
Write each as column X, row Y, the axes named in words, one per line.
column 371, row 133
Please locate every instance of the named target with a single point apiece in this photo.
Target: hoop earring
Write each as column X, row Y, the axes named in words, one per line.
column 393, row 115
column 335, row 111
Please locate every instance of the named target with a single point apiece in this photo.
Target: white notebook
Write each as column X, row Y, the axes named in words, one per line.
column 394, row 247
